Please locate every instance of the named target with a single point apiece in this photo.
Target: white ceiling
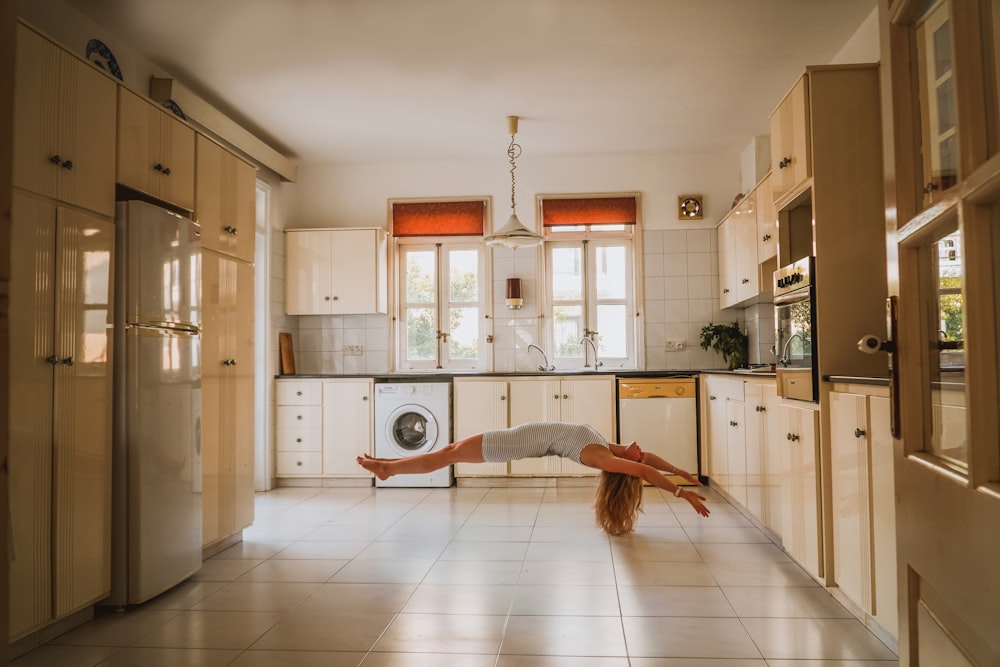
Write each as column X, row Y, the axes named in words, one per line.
column 329, row 81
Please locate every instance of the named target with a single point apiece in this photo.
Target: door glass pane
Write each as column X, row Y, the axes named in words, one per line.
column 612, row 322
column 421, row 334
column 939, row 121
column 420, row 276
column 947, row 355
column 463, row 343
column 567, row 274
column 611, row 272
column 464, row 275
column 567, row 330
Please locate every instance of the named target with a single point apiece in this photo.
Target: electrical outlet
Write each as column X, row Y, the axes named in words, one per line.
column 676, row 345
column 354, row 350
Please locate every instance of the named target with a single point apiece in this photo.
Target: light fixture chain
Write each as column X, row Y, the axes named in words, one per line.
column 513, row 152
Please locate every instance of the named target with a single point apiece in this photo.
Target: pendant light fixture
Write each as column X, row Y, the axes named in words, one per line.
column 513, row 234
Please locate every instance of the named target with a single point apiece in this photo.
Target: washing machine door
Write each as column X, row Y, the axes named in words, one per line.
column 411, row 429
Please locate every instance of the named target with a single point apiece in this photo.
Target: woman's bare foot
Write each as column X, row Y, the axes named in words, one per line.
column 374, row 466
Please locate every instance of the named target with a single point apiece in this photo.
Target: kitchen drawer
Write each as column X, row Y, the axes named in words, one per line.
column 299, row 416
column 299, row 463
column 299, row 440
column 298, row 392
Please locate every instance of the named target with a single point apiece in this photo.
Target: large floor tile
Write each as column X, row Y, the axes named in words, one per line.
column 707, row 533
column 343, row 598
column 702, row 662
column 480, row 551
column 258, row 596
column 815, row 639
column 784, row 602
column 567, row 573
column 443, row 633
column 185, row 595
column 564, row 635
column 65, row 656
column 376, row 659
column 499, row 572
column 255, row 658
column 252, row 550
column 316, row 571
column 649, row 550
column 113, row 629
column 313, row 631
column 382, row 572
column 321, row 550
column 700, row 601
column 534, row 600
column 171, row 657
column 651, row 573
column 224, row 569
column 742, row 552
column 480, row 599
column 427, row 549
column 759, row 573
column 653, row 637
column 559, row 661
column 588, row 550
column 210, row 629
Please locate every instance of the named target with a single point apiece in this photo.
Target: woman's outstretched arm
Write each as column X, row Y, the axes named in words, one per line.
column 651, row 459
column 602, row 459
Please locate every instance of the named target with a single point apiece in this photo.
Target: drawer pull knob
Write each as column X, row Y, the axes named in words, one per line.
column 299, row 417
column 858, row 433
column 298, row 439
column 298, row 463
column 298, row 393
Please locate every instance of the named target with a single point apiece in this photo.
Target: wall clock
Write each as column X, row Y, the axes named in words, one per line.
column 689, row 207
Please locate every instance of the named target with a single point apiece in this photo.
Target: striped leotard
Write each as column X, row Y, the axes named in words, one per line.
column 538, row 439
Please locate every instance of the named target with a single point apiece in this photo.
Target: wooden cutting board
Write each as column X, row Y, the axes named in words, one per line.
column 287, row 359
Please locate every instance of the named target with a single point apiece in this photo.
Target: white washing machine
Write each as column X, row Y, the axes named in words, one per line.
column 413, row 418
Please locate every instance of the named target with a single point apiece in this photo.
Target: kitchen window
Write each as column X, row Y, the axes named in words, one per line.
column 590, row 278
column 442, row 306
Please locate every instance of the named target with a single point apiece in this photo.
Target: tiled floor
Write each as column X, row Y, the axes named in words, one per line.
column 478, row 577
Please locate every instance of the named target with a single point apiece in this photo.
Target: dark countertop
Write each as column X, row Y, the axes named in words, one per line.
column 447, row 376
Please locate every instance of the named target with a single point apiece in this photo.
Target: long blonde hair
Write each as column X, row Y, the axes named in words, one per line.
column 618, row 502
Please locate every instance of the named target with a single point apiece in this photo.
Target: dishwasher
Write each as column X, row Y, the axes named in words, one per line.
column 661, row 414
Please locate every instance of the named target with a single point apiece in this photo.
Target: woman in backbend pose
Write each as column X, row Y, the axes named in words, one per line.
column 624, row 468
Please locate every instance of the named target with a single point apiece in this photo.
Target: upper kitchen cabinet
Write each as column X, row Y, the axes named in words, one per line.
column 156, row 152
column 335, row 271
column 767, row 222
column 225, row 195
column 738, row 276
column 64, row 126
column 790, row 149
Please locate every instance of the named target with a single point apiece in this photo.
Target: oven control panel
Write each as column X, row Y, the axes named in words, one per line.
column 793, row 277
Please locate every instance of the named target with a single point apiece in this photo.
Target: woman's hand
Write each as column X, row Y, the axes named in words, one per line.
column 680, row 472
column 695, row 499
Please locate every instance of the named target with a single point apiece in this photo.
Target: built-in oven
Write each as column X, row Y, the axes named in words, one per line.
column 795, row 324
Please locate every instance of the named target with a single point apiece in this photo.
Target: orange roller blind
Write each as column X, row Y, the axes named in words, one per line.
column 589, row 211
column 444, row 218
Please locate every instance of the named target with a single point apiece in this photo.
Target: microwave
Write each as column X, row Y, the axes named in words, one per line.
column 796, row 369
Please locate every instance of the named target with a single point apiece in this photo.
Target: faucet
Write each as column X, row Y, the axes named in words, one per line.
column 584, row 341
column 784, row 350
column 545, row 367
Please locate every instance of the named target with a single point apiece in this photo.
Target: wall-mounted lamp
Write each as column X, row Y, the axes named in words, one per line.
column 514, row 299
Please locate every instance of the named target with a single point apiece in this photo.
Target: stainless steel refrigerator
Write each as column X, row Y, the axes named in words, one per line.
column 156, row 490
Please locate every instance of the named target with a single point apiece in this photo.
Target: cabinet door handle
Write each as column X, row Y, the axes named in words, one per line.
column 858, row 433
column 364, row 398
column 503, row 398
column 765, row 238
column 746, row 280
column 298, row 463
column 68, row 361
column 52, row 359
column 230, row 229
column 298, row 439
column 299, row 417
column 725, row 291
column 326, row 298
column 785, row 161
column 793, row 436
column 565, row 396
column 711, row 398
column 298, row 393
column 55, row 159
column 555, row 396
column 68, row 164
column 158, row 167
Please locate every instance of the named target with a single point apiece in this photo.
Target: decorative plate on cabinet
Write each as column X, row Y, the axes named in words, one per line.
column 176, row 108
column 101, row 55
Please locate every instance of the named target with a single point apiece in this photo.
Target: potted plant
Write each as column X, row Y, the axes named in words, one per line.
column 729, row 340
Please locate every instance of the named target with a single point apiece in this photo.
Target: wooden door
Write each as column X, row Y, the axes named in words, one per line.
column 64, row 143
column 32, row 359
column 942, row 231
column 225, row 200
column 480, row 406
column 790, row 141
column 347, row 426
column 588, row 401
column 308, row 272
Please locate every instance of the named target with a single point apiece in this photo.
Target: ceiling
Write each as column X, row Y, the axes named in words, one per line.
column 332, row 81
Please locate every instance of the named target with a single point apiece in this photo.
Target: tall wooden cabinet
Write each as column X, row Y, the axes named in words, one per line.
column 64, row 115
column 60, row 412
column 225, row 197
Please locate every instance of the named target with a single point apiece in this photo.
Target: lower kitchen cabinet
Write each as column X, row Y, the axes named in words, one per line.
column 322, row 426
column 227, row 392
column 761, row 412
column 348, row 426
column 799, row 487
column 480, row 405
column 582, row 400
column 723, row 397
column 60, row 412
column 864, row 516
